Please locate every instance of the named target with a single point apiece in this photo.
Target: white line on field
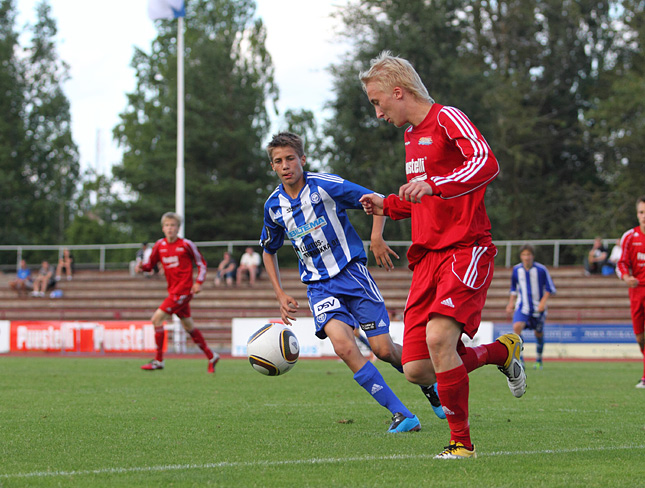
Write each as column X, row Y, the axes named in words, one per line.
column 226, row 464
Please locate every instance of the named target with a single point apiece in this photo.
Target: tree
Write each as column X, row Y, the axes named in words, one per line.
column 525, row 72
column 14, row 190
column 51, row 164
column 371, row 152
column 617, row 123
column 228, row 79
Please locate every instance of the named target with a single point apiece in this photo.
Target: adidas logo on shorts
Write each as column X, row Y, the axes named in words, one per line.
column 448, row 303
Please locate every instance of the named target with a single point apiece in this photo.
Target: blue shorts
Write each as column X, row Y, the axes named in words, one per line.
column 535, row 323
column 351, row 297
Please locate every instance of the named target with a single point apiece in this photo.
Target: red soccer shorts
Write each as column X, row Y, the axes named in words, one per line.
column 178, row 305
column 452, row 283
column 637, row 306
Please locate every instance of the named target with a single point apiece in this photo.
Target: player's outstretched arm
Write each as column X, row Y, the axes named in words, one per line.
column 372, row 204
column 288, row 304
column 378, row 246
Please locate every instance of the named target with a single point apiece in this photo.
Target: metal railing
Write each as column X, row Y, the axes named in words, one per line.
column 505, row 248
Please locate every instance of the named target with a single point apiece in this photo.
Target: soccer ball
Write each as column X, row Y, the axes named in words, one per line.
column 273, row 349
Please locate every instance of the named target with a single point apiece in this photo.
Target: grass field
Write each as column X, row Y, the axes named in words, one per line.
column 81, row 422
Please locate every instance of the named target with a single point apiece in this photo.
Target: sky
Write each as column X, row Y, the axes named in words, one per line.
column 98, row 42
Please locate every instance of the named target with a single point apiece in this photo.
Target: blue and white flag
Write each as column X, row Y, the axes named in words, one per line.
column 166, row 9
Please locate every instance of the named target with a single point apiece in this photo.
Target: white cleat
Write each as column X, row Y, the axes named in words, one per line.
column 513, row 367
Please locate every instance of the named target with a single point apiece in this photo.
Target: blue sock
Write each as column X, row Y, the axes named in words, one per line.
column 370, row 378
column 540, row 346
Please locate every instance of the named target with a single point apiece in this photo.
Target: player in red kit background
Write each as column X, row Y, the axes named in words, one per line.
column 631, row 269
column 177, row 256
column 448, row 166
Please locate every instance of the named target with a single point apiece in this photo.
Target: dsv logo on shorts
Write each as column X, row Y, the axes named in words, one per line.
column 326, row 305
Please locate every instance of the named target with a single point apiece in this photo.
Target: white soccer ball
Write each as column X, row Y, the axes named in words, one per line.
column 273, row 349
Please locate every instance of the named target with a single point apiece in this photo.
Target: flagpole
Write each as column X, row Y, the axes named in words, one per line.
column 180, row 181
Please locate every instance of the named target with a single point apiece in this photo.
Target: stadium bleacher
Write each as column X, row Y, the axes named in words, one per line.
column 115, row 295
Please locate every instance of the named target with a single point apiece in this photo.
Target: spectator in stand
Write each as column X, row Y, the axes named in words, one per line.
column 226, row 270
column 44, row 279
column 249, row 263
column 66, row 264
column 631, row 269
column 24, row 280
column 596, row 258
column 614, row 257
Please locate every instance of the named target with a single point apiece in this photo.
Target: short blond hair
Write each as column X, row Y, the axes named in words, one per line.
column 388, row 71
column 171, row 216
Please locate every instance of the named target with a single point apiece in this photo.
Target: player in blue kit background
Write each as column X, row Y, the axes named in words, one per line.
column 310, row 209
column 531, row 285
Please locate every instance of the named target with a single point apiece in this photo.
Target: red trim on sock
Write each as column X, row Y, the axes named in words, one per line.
column 453, row 389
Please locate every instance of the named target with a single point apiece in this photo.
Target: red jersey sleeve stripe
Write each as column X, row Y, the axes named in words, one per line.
column 479, row 167
column 199, row 261
column 480, row 149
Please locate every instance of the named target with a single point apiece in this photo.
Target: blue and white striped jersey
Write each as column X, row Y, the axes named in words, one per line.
column 530, row 286
column 316, row 222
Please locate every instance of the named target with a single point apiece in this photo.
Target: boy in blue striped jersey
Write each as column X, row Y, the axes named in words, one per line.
column 532, row 286
column 310, row 209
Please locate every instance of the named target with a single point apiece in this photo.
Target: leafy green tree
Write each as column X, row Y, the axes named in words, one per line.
column 525, row 72
column 51, row 161
column 14, row 188
column 303, row 123
column 228, row 81
column 617, row 124
column 547, row 57
column 429, row 35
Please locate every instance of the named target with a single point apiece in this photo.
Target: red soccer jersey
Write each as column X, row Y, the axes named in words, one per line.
column 448, row 152
column 632, row 257
column 177, row 259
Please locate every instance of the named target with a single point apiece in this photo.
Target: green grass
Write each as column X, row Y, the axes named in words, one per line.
column 80, row 422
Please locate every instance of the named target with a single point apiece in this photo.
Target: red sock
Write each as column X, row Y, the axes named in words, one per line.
column 643, row 351
column 160, row 335
column 470, row 358
column 453, row 387
column 201, row 343
column 476, row 357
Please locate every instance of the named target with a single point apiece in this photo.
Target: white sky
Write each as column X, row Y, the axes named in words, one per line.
column 98, row 42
